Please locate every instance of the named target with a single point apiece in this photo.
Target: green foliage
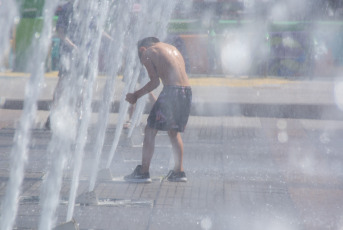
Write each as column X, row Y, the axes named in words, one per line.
column 31, row 8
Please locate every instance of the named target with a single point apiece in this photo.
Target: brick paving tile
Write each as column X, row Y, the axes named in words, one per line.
column 243, row 173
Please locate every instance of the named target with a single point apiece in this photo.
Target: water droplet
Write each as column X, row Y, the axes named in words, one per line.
column 281, row 124
column 16, row 20
column 206, row 223
column 324, row 138
column 282, row 137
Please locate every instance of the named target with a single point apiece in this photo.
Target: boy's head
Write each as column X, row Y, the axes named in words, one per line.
column 143, row 44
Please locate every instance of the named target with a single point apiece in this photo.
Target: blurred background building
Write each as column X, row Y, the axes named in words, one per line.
column 227, row 37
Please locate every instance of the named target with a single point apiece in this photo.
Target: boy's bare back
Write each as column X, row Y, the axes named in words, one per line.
column 167, row 63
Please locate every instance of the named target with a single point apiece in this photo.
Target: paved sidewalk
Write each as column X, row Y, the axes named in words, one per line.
column 244, row 173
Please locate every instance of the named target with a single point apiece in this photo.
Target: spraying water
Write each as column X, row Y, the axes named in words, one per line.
column 139, row 109
column 116, row 48
column 59, row 149
column 124, row 106
column 130, row 74
column 156, row 16
column 99, row 13
column 74, row 103
column 23, row 133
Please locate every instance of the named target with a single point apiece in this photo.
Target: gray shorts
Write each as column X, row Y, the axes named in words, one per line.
column 172, row 109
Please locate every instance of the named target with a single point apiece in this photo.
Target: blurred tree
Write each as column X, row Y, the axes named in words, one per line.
column 31, row 8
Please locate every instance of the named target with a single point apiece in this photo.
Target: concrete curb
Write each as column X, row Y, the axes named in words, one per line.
column 295, row 111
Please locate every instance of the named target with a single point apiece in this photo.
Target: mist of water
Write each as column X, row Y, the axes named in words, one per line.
column 23, row 133
column 98, row 12
column 124, row 106
column 53, row 180
column 131, row 73
column 115, row 52
column 70, row 118
column 74, row 102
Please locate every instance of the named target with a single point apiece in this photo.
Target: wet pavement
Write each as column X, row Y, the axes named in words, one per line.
column 244, row 171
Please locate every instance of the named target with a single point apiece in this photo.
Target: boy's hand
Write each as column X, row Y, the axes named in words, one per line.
column 131, row 98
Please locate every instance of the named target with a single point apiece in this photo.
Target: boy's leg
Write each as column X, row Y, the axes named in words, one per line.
column 177, row 144
column 148, row 148
column 56, row 94
column 128, row 122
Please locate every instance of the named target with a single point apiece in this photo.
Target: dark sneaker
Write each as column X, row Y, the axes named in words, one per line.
column 137, row 176
column 176, row 176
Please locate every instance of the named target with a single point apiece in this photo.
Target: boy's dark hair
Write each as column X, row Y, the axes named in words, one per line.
column 146, row 42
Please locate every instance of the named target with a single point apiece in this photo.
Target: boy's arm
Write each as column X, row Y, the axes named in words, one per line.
column 107, row 36
column 151, row 85
column 61, row 35
column 154, row 79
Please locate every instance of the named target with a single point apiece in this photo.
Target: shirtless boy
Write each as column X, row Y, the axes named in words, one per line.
column 171, row 110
